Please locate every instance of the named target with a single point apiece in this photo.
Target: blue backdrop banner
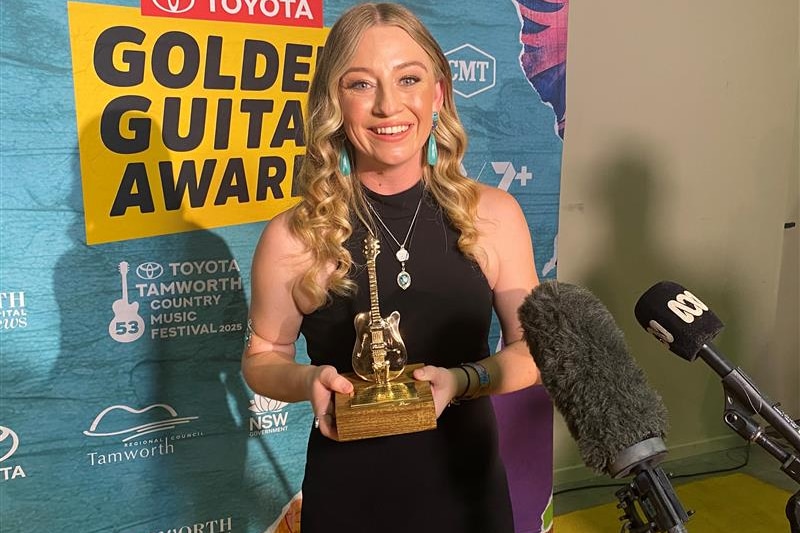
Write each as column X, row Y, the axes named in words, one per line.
column 143, row 146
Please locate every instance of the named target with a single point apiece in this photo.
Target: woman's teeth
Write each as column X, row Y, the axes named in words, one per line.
column 391, row 130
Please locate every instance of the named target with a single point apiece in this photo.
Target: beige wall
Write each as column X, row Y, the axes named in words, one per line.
column 681, row 162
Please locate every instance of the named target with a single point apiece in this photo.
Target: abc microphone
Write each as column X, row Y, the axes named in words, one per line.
column 617, row 420
column 686, row 325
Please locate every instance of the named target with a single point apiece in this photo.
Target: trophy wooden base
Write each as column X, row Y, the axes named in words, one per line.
column 404, row 405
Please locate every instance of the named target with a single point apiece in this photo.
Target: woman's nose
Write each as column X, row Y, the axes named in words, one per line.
column 386, row 101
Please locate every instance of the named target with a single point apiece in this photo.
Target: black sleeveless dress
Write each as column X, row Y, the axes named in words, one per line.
column 450, row 479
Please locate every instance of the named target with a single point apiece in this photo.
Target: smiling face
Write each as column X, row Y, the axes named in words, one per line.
column 388, row 95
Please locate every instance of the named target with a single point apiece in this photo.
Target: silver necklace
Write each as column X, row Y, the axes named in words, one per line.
column 402, row 254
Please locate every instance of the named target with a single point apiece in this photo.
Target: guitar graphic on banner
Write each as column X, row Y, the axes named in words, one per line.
column 127, row 325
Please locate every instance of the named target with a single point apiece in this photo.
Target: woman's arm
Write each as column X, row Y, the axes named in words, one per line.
column 511, row 271
column 276, row 312
column 508, row 264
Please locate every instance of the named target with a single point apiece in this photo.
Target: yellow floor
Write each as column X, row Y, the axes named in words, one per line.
column 732, row 503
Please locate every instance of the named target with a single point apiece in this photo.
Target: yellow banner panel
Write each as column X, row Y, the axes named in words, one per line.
column 186, row 124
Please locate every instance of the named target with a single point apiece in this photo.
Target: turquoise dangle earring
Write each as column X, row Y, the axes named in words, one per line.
column 344, row 162
column 433, row 151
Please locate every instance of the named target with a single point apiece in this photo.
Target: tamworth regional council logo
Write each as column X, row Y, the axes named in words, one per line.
column 128, row 424
column 269, row 416
column 9, row 442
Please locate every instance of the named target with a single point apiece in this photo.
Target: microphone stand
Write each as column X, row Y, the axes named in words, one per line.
column 654, row 493
column 742, row 400
column 650, row 490
column 793, row 512
column 737, row 417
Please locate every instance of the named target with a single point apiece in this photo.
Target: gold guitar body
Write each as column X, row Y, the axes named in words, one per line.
column 379, row 354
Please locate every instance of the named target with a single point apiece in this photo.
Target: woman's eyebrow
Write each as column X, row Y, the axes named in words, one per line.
column 399, row 66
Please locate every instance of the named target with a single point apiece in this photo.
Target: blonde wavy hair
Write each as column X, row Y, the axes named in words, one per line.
column 324, row 218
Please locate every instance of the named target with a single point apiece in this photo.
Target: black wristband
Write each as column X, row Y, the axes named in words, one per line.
column 484, row 379
column 462, row 396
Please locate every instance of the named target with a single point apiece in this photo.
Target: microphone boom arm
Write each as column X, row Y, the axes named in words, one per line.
column 737, row 416
column 741, row 392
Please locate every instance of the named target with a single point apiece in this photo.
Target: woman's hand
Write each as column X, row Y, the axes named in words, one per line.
column 325, row 381
column 444, row 385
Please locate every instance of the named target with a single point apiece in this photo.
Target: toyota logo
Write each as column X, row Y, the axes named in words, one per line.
column 174, row 6
column 149, row 270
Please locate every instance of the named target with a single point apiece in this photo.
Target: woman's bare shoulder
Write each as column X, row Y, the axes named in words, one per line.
column 496, row 206
column 278, row 239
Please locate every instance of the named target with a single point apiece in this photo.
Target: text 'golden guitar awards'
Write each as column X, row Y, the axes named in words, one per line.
column 186, row 123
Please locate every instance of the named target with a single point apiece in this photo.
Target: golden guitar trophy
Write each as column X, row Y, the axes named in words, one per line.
column 386, row 399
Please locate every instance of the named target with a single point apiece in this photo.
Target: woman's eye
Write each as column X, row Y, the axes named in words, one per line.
column 358, row 85
column 409, row 80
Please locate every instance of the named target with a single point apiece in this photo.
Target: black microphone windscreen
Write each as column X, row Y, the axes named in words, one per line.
column 593, row 381
column 677, row 318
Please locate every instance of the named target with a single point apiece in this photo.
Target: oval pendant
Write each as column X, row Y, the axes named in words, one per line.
column 402, row 255
column 404, row 280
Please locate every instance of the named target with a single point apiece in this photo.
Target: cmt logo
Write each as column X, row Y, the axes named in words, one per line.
column 269, row 416
column 9, row 442
column 687, row 306
column 174, row 6
column 473, row 70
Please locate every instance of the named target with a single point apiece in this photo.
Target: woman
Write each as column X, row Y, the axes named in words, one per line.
column 384, row 152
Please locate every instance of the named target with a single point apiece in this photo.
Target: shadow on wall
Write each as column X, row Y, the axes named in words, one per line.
column 191, row 468
column 632, row 192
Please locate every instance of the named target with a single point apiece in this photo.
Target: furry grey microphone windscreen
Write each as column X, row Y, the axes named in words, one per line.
column 593, row 381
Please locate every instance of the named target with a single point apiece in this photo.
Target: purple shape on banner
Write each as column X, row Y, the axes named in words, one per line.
column 544, row 54
column 525, row 424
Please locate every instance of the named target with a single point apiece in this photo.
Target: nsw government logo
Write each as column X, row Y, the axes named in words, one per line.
column 269, row 416
column 142, row 433
column 473, row 70
column 9, row 442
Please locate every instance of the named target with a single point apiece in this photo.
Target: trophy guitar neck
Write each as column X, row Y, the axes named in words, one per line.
column 379, row 354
